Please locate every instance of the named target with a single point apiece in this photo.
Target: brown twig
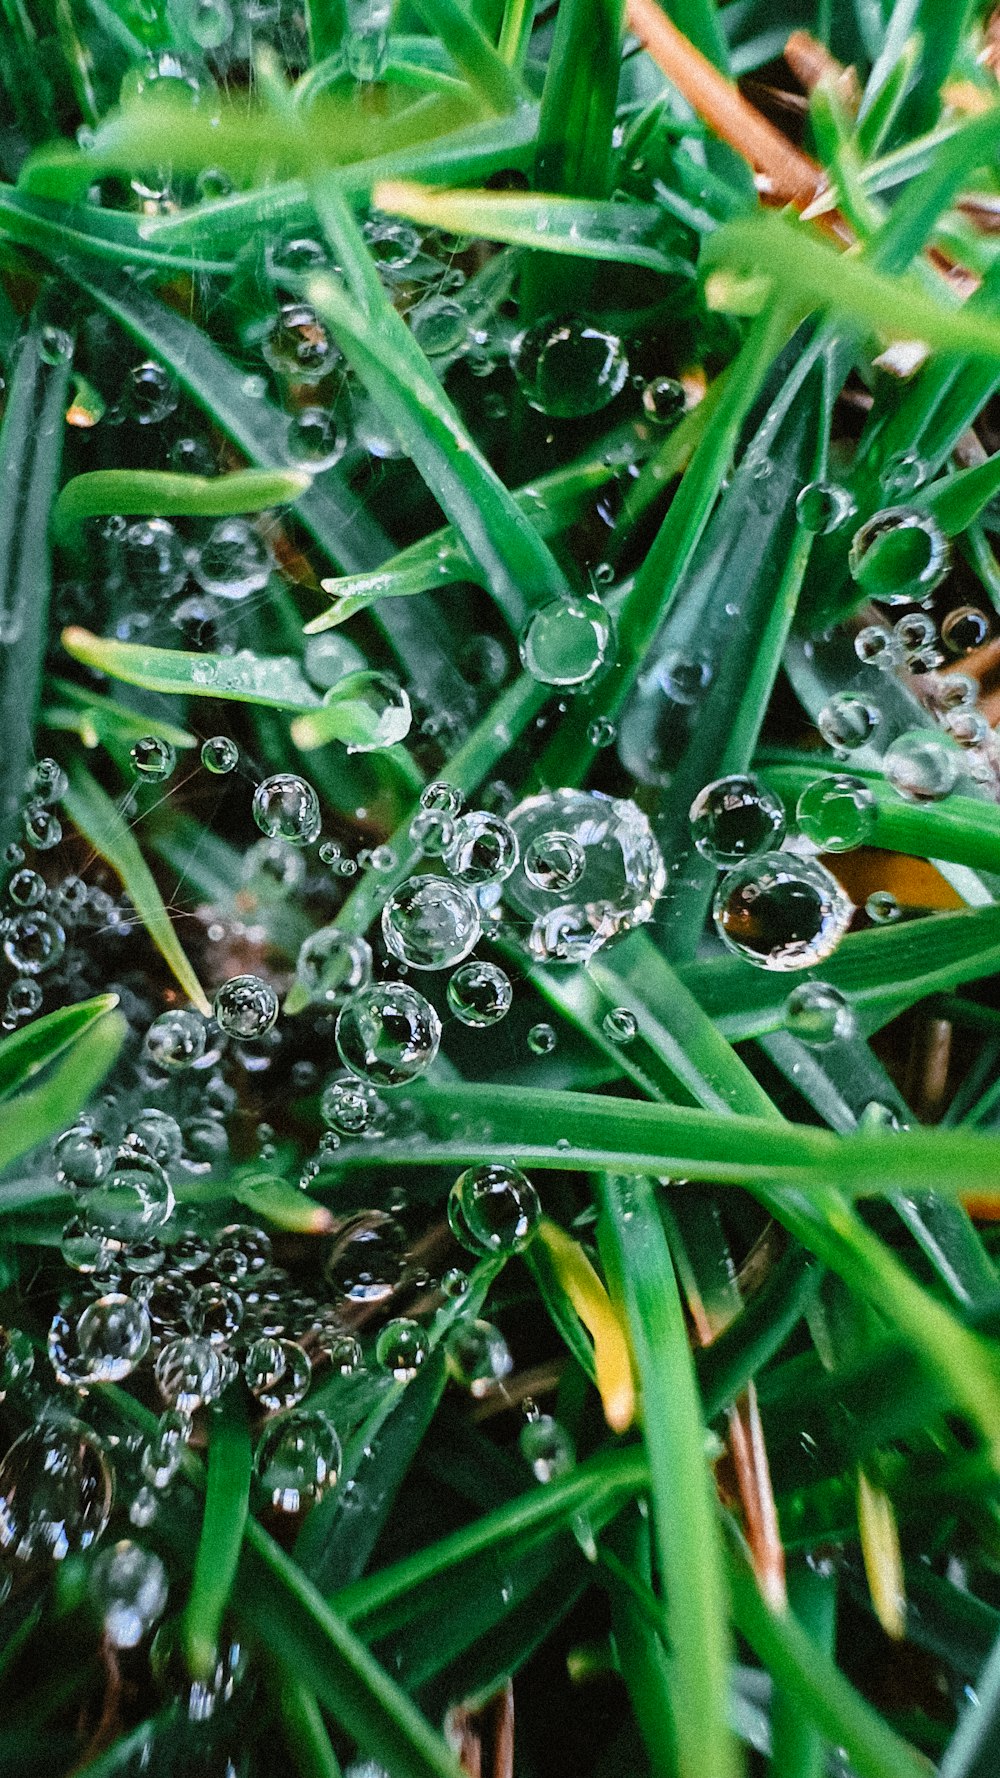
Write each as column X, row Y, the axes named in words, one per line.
column 812, row 64
column 483, row 1738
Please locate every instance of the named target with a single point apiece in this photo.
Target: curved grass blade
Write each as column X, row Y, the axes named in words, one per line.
column 624, row 233
column 684, row 1515
column 31, row 439
column 40, row 1112
column 227, row 1499
column 98, row 819
column 814, row 277
column 157, row 493
column 24, row 1052
column 466, row 41
column 275, row 682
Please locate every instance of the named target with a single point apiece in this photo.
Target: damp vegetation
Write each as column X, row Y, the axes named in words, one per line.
column 500, row 926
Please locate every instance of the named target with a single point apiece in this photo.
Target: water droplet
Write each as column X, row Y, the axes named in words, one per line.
column 176, row 1039
column 277, row 1373
column 837, row 813
column 478, row 1357
column 298, row 346
column 736, row 817
column 246, row 1007
column 818, row 1014
column 541, row 1039
column 42, row 827
column 922, row 766
column 388, row 1034
column 899, row 555
column 219, row 754
column 567, row 367
column 333, row 964
column 26, row 888
column 848, row 721
column 153, row 759
column 439, row 324
column 350, row 1105
column 433, row 832
column 781, row 912
column 153, row 393
column 876, row 647
column 442, row 797
column 286, row 807
column 55, row 1491
column 484, row 849
column 129, row 1587
column 298, row 1459
column 47, row 781
column 902, row 473
column 964, row 629
column 663, row 400
column 83, row 1248
column 82, row 1156
column 112, row 1337
column 554, row 862
column 55, row 345
column 493, row 1209
column 234, row 561
column 153, row 562
column 401, row 1348
column 132, row 1199
column 430, row 923
column 216, row 1312
column 566, row 642
column 882, row 907
column 622, row 876
column 480, row 994
column 822, row 507
column 189, row 1373
column 619, row 1025
column 547, row 1448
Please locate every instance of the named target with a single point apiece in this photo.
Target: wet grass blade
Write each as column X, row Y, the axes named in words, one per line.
column 99, row 820
column 684, row 1514
column 227, row 1498
column 276, row 682
column 39, row 1113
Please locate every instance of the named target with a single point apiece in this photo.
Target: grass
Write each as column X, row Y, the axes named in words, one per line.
column 703, row 1463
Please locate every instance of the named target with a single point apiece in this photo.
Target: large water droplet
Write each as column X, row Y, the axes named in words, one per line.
column 781, row 912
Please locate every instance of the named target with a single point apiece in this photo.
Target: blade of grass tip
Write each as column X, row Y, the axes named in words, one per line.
column 961, row 830
column 882, row 1556
column 798, row 1664
column 24, row 1052
column 305, row 1731
column 684, row 1514
column 227, row 1500
column 101, row 823
column 158, row 493
column 797, row 1749
column 484, row 68
column 41, row 1112
column 580, row 1283
column 31, row 439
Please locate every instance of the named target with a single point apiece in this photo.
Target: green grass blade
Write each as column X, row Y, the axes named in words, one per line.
column 277, row 682
column 157, row 493
column 24, row 1052
column 40, row 1112
column 483, row 66
column 227, row 1499
column 684, row 1516
column 305, row 1731
column 98, row 819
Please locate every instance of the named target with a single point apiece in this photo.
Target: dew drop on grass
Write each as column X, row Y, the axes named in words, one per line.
column 388, row 1034
column 494, row 1209
column 220, row 755
column 315, row 439
column 176, row 1039
column 189, row 1373
column 277, row 1373
column 663, row 400
column 432, row 832
column 554, row 862
column 619, row 1025
column 837, row 813
column 333, row 964
column 153, row 759
column 26, row 888
column 546, row 1447
column 566, row 642
column 898, row 556
column 735, row 818
column 56, row 1490
column 622, row 876
column 483, row 849
column 480, row 994
column 822, row 507
column 112, row 1337
column 541, row 1039
column 402, row 1348
column 964, row 629
column 297, row 345
column 818, row 1014
column 234, row 560
column 567, row 366
column 42, row 827
column 298, row 1459
column 134, row 1198
column 442, row 797
column 781, row 912
column 350, row 1105
column 478, row 1357
column 128, row 1586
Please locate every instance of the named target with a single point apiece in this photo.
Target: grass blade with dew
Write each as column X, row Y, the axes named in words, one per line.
column 102, row 824
column 684, row 1517
column 227, row 1499
column 276, row 682
column 40, row 1112
column 31, row 439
